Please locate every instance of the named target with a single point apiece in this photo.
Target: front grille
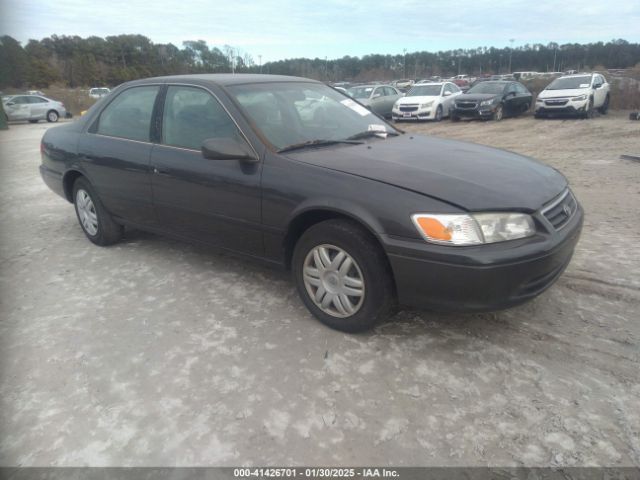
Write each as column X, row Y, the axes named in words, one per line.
column 560, row 211
column 466, row 104
column 408, row 108
column 556, row 102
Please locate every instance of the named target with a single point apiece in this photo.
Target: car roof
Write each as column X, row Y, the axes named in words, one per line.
column 372, row 85
column 577, row 75
column 504, row 82
column 223, row 79
column 421, row 84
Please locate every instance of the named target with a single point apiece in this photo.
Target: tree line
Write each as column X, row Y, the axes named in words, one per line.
column 94, row 61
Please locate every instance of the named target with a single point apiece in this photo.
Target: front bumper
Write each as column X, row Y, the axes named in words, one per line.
column 426, row 114
column 481, row 278
column 569, row 108
column 480, row 112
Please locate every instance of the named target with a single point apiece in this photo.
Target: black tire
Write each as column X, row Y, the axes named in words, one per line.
column 108, row 231
column 605, row 106
column 379, row 297
column 52, row 116
column 498, row 114
column 590, row 110
column 438, row 115
column 33, row 121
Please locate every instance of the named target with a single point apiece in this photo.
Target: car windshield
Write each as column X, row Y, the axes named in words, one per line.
column 568, row 83
column 292, row 113
column 424, row 91
column 487, row 87
column 360, row 92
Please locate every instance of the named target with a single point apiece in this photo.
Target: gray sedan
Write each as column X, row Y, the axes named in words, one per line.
column 377, row 98
column 33, row 108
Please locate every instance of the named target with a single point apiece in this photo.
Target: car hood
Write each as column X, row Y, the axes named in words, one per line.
column 417, row 99
column 467, row 175
column 569, row 92
column 476, row 96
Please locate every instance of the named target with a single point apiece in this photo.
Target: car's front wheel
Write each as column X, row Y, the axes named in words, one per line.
column 52, row 116
column 498, row 113
column 342, row 276
column 438, row 115
column 95, row 221
column 605, row 106
column 589, row 112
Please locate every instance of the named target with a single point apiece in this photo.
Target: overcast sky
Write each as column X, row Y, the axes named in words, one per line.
column 278, row 29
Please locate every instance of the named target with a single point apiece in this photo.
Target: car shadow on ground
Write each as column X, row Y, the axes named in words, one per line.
column 405, row 322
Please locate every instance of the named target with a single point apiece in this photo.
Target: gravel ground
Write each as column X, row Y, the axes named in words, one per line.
column 153, row 352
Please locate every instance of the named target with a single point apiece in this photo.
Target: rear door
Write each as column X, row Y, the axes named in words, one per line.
column 39, row 107
column 215, row 201
column 115, row 154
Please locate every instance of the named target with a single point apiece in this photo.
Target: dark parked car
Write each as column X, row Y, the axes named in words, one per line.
column 365, row 216
column 492, row 100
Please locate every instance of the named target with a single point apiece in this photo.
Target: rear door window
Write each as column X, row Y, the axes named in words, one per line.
column 129, row 114
column 191, row 116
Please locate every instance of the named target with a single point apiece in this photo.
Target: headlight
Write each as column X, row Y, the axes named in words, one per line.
column 486, row 103
column 580, row 98
column 473, row 229
column 539, row 100
column 426, row 105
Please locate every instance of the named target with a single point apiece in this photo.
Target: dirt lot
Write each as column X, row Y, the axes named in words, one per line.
column 153, row 352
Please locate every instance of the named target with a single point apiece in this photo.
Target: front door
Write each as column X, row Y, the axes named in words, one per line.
column 216, row 201
column 18, row 108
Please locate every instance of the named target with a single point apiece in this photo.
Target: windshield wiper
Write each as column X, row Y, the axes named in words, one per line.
column 316, row 143
column 369, row 134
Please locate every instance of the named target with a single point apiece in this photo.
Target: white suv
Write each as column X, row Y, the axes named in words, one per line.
column 579, row 94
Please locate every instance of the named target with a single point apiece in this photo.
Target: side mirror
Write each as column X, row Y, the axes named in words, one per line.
column 227, row 149
column 597, row 85
column 10, row 104
column 376, row 95
column 446, row 94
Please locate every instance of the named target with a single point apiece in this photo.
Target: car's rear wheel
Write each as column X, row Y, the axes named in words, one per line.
column 605, row 106
column 342, row 276
column 498, row 113
column 97, row 224
column 52, row 116
column 438, row 115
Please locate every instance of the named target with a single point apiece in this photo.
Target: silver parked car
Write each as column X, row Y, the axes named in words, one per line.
column 33, row 108
column 377, row 98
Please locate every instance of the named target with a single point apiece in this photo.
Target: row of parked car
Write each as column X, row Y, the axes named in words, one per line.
column 577, row 94
column 34, row 105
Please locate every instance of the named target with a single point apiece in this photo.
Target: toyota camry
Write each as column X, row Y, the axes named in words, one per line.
column 292, row 172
